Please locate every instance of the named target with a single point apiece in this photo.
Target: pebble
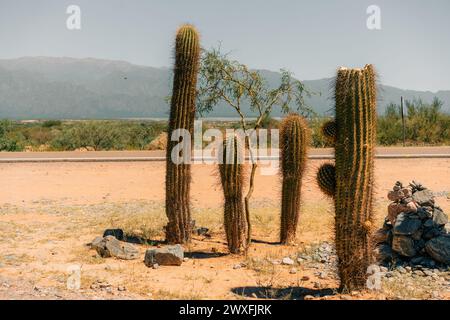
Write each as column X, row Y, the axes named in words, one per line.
column 237, row 266
column 155, row 266
column 428, row 273
column 418, row 273
column 401, row 270
column 287, row 261
column 323, row 275
column 121, row 288
column 293, row 271
column 317, row 285
column 305, row 278
column 308, row 297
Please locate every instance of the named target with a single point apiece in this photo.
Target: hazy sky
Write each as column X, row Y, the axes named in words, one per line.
column 311, row 38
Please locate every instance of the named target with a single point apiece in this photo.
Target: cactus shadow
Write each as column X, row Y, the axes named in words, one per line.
column 293, row 293
column 141, row 240
column 266, row 242
column 204, row 255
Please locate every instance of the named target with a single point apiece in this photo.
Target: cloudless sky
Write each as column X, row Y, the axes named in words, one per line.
column 310, row 38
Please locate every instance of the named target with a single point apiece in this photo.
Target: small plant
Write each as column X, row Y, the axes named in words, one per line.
column 182, row 115
column 351, row 181
column 294, row 143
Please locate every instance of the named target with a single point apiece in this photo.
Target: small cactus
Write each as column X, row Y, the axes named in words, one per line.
column 232, row 173
column 182, row 113
column 294, row 142
column 350, row 181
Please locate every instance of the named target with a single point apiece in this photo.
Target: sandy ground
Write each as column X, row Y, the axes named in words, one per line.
column 49, row 211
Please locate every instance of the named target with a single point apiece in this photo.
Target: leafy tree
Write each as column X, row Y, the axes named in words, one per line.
column 228, row 81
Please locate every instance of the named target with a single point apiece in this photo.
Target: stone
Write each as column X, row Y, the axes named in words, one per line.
column 439, row 217
column 439, row 249
column 308, row 297
column 417, row 235
column 287, row 261
column 431, row 233
column 395, row 195
column 428, row 273
column 404, row 246
column 202, row 231
column 109, row 246
column 304, row 278
column 293, row 271
column 428, row 223
column 411, row 206
column 404, row 225
column 383, row 253
column 116, row 233
column 165, row 256
column 394, row 209
column 237, row 266
column 418, row 273
column 382, row 235
column 401, row 270
column 424, row 197
column 423, row 213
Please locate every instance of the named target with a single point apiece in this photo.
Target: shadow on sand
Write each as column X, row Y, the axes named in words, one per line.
column 297, row 293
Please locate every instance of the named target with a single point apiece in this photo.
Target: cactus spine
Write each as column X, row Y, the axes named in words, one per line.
column 355, row 138
column 182, row 113
column 232, row 172
column 294, row 142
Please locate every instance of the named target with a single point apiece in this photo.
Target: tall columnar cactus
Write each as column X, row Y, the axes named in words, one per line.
column 351, row 181
column 232, row 172
column 182, row 113
column 294, row 142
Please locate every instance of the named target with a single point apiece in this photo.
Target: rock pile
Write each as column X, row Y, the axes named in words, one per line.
column 414, row 230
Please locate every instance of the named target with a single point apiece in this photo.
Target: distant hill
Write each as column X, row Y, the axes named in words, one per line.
column 68, row 88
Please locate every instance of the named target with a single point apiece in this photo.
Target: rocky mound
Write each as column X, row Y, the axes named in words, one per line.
column 414, row 231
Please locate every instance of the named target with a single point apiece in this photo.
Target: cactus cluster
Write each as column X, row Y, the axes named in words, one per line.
column 182, row 115
column 232, row 173
column 294, row 143
column 351, row 181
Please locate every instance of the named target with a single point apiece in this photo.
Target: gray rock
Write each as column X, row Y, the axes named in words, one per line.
column 404, row 225
column 433, row 232
column 404, row 246
column 428, row 273
column 439, row 249
column 423, row 213
column 166, row 256
column 109, row 246
column 439, row 217
column 287, row 261
column 401, row 270
column 382, row 235
column 428, row 223
column 424, row 197
column 384, row 253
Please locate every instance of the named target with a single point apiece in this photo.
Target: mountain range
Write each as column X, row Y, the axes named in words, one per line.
column 69, row 88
